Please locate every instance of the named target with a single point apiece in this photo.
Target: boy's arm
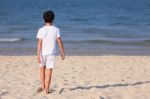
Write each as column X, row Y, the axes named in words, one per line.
column 61, row 47
column 39, row 48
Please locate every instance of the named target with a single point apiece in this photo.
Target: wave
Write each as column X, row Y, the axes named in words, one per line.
column 115, row 42
column 10, row 40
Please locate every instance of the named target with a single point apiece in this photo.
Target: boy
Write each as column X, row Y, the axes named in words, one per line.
column 46, row 49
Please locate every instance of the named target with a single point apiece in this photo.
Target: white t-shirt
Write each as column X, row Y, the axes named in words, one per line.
column 49, row 35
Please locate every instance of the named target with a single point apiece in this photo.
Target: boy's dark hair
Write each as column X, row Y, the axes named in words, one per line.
column 48, row 16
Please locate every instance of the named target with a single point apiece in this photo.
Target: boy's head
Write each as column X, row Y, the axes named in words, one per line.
column 48, row 16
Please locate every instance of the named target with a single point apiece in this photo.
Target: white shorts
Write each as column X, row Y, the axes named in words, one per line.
column 48, row 61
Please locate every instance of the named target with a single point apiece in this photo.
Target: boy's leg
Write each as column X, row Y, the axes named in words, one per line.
column 48, row 79
column 42, row 77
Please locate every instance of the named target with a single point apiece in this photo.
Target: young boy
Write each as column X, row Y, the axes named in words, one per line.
column 46, row 49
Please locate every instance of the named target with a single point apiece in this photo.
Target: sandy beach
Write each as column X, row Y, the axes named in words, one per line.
column 78, row 77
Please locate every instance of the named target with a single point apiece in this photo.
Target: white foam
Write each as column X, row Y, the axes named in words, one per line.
column 10, row 39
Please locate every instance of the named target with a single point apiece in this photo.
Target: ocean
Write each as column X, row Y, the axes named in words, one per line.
column 88, row 27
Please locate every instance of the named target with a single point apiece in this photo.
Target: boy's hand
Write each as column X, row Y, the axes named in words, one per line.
column 62, row 56
column 38, row 59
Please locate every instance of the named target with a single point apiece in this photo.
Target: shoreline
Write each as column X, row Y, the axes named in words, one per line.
column 95, row 54
column 82, row 51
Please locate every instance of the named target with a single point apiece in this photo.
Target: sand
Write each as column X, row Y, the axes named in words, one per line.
column 78, row 77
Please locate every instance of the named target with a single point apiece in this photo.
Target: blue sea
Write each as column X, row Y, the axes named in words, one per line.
column 88, row 27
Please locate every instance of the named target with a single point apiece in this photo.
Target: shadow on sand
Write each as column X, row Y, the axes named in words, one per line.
column 108, row 86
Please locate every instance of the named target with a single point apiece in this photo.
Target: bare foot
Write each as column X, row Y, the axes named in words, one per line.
column 39, row 90
column 48, row 92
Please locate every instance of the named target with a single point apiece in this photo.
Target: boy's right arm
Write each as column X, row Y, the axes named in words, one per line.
column 39, row 48
column 60, row 44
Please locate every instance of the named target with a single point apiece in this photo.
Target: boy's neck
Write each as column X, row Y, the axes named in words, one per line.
column 48, row 24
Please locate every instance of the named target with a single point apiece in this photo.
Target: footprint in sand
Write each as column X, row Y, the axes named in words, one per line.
column 101, row 97
column 65, row 74
column 4, row 93
column 61, row 90
column 74, row 82
column 84, row 68
column 74, row 71
column 65, row 80
column 65, row 84
column 73, row 77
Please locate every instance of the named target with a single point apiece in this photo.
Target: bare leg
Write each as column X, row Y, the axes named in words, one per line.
column 48, row 80
column 42, row 77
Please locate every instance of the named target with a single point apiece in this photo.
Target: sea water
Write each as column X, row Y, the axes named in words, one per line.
column 88, row 27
